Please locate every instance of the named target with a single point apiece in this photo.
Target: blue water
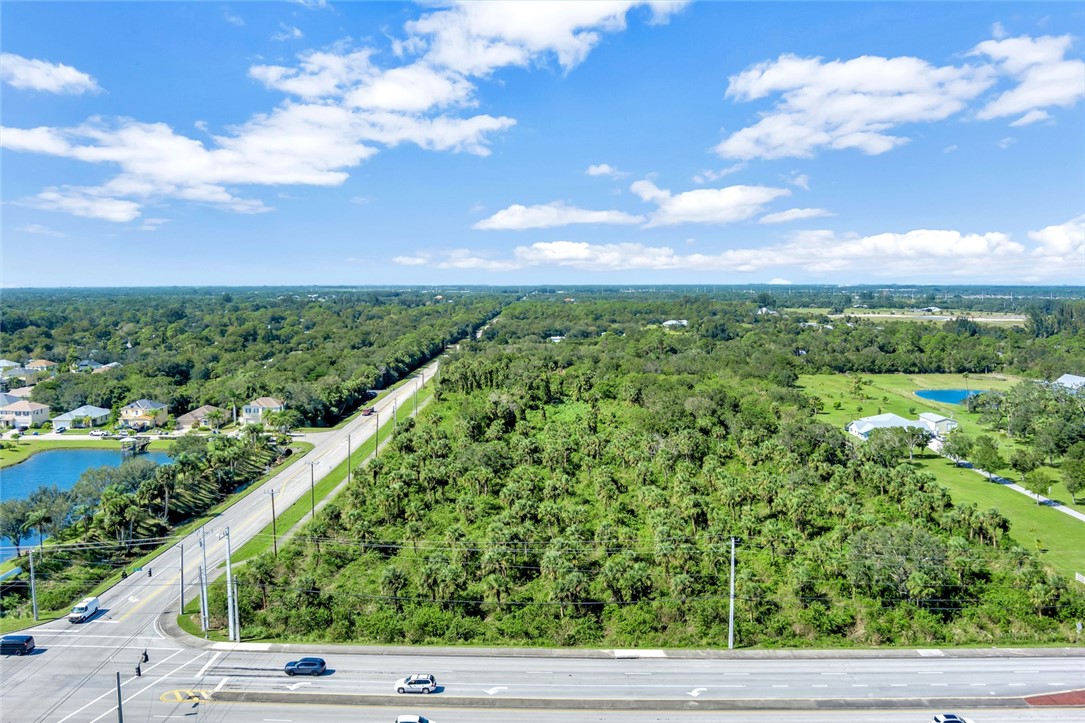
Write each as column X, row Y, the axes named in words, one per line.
column 60, row 467
column 948, row 396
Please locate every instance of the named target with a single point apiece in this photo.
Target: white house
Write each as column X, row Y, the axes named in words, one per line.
column 24, row 414
column 254, row 411
column 75, row 418
column 1071, row 382
column 862, row 428
column 41, row 365
column 938, row 425
column 85, row 365
column 674, row 323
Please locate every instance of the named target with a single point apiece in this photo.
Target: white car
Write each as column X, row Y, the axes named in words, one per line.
column 424, row 684
column 950, row 718
column 409, row 718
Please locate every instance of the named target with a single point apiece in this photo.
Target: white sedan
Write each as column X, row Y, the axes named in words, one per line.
column 424, row 684
column 408, row 718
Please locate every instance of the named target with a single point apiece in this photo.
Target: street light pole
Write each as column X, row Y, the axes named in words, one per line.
column 205, row 618
column 274, row 531
column 229, row 585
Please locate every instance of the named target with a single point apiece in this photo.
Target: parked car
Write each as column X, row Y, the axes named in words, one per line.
column 424, row 684
column 411, row 718
column 60, row 430
column 306, row 666
column 16, row 644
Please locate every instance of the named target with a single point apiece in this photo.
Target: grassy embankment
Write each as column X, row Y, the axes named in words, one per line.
column 1059, row 537
column 8, row 624
column 291, row 517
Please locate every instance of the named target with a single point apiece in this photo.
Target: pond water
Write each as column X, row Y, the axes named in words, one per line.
column 948, row 396
column 60, row 467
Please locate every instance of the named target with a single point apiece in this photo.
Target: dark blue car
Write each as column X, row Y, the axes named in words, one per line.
column 306, row 666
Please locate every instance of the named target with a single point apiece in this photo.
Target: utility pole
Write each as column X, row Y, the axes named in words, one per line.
column 33, row 589
column 731, row 612
column 120, row 701
column 181, row 597
column 205, row 618
column 229, row 585
column 274, row 532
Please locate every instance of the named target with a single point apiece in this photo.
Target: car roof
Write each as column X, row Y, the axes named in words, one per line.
column 18, row 638
column 311, row 660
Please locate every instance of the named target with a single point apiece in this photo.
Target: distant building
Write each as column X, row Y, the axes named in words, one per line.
column 105, row 367
column 1071, row 382
column 862, row 428
column 24, row 414
column 254, row 411
column 143, row 414
column 85, row 365
column 197, row 417
column 675, row 323
column 556, row 339
column 79, row 417
column 41, row 365
column 938, row 425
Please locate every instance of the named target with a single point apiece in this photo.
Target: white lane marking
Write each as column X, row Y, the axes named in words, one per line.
column 208, row 664
column 859, row 685
column 221, row 683
column 731, row 686
column 939, row 685
column 279, row 720
column 133, row 598
column 109, row 622
column 784, row 685
column 496, row 689
column 295, row 686
column 898, row 685
column 1017, row 683
column 114, row 692
column 819, row 685
column 930, row 672
column 977, row 684
column 696, row 691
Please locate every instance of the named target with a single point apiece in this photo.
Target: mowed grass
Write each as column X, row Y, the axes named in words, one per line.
column 1058, row 537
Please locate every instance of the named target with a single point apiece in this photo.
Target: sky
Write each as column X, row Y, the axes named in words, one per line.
column 609, row 142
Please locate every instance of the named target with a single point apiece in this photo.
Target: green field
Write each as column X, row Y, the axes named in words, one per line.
column 1059, row 537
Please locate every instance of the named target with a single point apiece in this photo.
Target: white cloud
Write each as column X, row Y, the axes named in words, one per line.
column 312, row 4
column 708, row 175
column 233, row 19
column 605, row 169
column 706, row 205
column 778, row 281
column 1045, row 77
column 86, row 203
column 1060, row 248
column 475, row 38
column 889, row 255
column 1005, row 143
column 998, row 31
column 518, row 217
column 845, row 104
column 412, row 88
column 28, row 74
column 794, row 214
column 319, row 74
column 152, row 224
column 950, row 148
column 1033, row 116
column 801, row 180
column 37, row 228
column 288, row 32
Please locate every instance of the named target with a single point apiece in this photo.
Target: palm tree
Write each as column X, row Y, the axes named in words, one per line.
column 214, row 418
column 38, row 518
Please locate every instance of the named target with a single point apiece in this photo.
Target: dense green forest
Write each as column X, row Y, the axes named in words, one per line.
column 586, row 492
column 320, row 352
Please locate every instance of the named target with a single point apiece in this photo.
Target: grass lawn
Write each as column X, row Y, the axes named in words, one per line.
column 1061, row 537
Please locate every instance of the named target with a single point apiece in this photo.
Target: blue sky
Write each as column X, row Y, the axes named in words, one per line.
column 148, row 144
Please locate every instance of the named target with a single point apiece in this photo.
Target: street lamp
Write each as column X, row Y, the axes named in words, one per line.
column 274, row 532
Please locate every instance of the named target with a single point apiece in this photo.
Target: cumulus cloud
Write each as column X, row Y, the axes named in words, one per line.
column 341, row 107
column 605, row 169
column 709, row 175
column 86, row 203
column 29, row 74
column 288, row 32
column 518, row 217
column 1044, row 76
column 706, row 205
column 1061, row 246
column 794, row 214
column 845, row 104
column 918, row 253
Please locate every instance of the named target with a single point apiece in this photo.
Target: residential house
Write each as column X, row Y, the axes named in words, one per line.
column 41, row 365
column 21, row 392
column 938, row 425
column 24, row 414
column 105, row 367
column 6, row 363
column 198, row 417
column 6, row 399
column 1071, row 382
column 254, row 411
column 85, row 365
column 84, row 416
column 675, row 323
column 862, row 428
column 143, row 414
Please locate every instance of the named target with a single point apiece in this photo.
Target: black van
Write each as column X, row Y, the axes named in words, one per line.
column 16, row 644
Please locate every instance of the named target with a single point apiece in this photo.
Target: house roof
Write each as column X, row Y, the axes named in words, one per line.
column 197, row 414
column 145, row 404
column 105, row 367
column 1071, row 381
column 8, row 363
column 881, row 421
column 265, row 402
column 87, row 410
column 6, row 399
column 24, row 406
column 40, row 363
column 932, row 417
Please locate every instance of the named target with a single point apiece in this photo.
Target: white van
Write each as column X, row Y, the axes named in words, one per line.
column 84, row 611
